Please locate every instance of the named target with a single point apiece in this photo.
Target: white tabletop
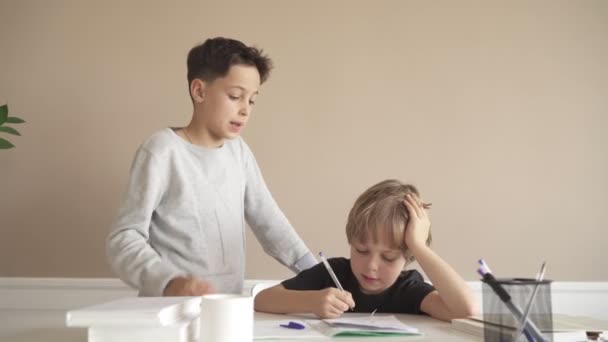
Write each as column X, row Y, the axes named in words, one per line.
column 49, row 326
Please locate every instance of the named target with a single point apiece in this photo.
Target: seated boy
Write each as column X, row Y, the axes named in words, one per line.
column 388, row 227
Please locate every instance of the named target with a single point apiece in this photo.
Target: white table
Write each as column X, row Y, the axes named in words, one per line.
column 49, row 326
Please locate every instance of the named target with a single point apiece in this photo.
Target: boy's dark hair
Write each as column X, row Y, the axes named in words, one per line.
column 214, row 57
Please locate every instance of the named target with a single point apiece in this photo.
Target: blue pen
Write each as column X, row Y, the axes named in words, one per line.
column 293, row 325
column 530, row 330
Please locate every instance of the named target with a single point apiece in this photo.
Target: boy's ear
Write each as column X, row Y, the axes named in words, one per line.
column 197, row 90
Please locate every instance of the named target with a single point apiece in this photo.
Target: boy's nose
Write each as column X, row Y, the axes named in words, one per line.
column 372, row 264
column 245, row 110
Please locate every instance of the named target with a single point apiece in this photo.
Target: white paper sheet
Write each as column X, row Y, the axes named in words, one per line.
column 372, row 323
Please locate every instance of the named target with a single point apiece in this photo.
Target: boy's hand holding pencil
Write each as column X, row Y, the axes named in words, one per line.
column 331, row 302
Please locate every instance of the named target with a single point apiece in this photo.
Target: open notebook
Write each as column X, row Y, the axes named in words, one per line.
column 364, row 326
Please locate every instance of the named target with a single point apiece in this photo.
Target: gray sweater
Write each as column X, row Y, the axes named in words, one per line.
column 184, row 214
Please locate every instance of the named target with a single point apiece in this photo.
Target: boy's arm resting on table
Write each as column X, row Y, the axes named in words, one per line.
column 269, row 224
column 453, row 297
column 326, row 303
column 277, row 299
column 128, row 252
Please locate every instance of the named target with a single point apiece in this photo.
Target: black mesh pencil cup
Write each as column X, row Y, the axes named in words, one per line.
column 506, row 301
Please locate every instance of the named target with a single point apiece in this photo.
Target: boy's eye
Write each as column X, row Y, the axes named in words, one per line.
column 361, row 251
column 251, row 102
column 233, row 97
column 389, row 259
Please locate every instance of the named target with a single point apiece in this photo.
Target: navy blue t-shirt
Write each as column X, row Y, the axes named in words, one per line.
column 404, row 296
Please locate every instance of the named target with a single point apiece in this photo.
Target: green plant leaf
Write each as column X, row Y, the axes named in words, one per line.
column 14, row 119
column 9, row 130
column 5, row 144
column 3, row 113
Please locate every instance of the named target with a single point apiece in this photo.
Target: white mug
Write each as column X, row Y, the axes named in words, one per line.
column 226, row 318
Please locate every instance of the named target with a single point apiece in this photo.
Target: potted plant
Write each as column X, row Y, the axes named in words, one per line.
column 5, row 119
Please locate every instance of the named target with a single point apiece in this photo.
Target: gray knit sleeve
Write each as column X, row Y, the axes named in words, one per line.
column 269, row 224
column 128, row 252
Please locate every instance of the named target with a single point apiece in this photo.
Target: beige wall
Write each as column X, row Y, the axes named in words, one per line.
column 498, row 111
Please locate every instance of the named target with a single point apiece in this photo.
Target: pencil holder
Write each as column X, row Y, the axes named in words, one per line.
column 503, row 310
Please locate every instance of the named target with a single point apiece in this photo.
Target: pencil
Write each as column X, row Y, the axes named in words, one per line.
column 331, row 271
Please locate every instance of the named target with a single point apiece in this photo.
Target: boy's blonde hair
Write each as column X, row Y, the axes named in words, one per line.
column 380, row 213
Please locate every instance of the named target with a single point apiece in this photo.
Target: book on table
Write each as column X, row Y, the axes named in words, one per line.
column 565, row 328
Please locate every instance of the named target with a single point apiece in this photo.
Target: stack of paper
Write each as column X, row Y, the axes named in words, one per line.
column 469, row 326
column 140, row 319
column 364, row 326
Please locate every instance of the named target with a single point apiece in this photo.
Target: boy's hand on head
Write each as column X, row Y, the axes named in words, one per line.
column 418, row 225
column 187, row 286
column 332, row 302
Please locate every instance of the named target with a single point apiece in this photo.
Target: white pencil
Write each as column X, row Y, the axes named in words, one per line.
column 331, row 272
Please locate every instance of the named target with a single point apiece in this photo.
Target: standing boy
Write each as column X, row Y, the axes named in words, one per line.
column 181, row 228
